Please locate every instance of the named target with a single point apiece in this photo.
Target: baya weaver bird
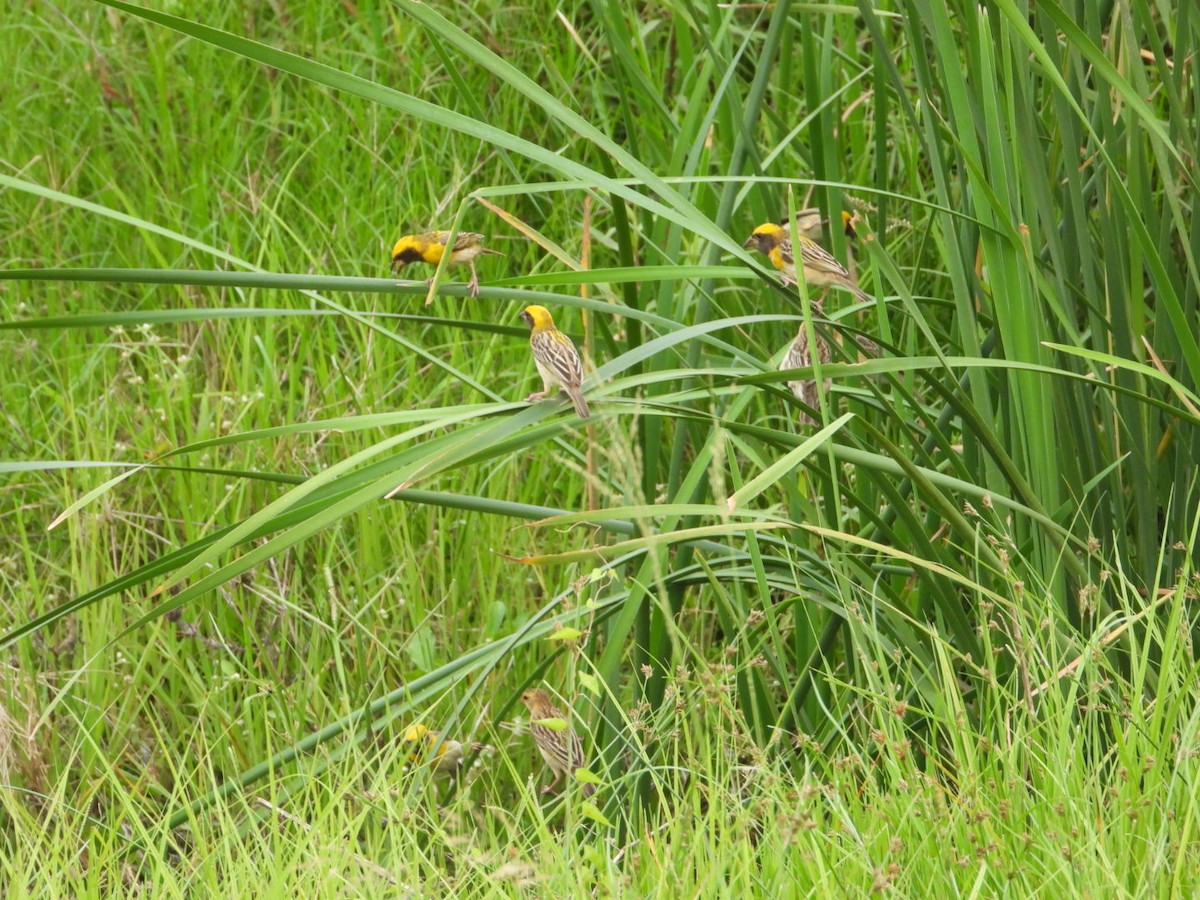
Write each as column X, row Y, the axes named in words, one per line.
column 446, row 758
column 557, row 359
column 821, row 268
column 798, row 356
column 811, row 224
column 560, row 746
column 430, row 247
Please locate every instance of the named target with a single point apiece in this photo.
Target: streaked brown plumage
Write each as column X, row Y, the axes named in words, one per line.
column 560, row 748
column 821, row 268
column 556, row 358
column 798, row 356
column 811, row 224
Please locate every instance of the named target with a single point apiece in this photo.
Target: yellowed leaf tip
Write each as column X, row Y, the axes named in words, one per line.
column 403, row 486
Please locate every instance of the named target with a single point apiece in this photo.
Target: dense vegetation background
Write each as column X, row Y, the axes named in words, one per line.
column 942, row 642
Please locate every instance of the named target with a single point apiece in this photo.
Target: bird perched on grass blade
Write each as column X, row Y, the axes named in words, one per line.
column 556, row 741
column 798, row 357
column 430, row 247
column 821, row 268
column 446, row 758
column 557, row 359
column 810, row 223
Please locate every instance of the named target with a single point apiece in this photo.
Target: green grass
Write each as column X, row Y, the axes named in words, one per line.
column 942, row 645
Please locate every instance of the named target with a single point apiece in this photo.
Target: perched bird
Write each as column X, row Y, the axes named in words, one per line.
column 560, row 747
column 557, row 359
column 446, row 758
column 797, row 357
column 430, row 247
column 811, row 224
column 821, row 268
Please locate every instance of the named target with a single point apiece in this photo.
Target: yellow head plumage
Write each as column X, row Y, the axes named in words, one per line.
column 446, row 759
column 765, row 237
column 416, row 248
column 537, row 318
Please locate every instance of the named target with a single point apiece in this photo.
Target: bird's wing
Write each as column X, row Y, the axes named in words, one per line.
column 577, row 758
column 785, row 251
column 817, row 257
column 556, row 351
column 466, row 239
column 806, row 216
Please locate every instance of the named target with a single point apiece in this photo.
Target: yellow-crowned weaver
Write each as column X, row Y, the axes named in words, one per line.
column 821, row 268
column 430, row 247
column 557, row 359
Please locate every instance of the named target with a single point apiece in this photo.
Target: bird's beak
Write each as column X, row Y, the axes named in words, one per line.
column 397, row 266
column 749, row 242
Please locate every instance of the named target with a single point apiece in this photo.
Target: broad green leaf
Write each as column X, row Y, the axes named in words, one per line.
column 591, row 811
column 785, row 464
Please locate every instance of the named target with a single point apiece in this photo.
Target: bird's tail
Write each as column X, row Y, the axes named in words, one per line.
column 862, row 295
column 486, row 252
column 581, row 407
